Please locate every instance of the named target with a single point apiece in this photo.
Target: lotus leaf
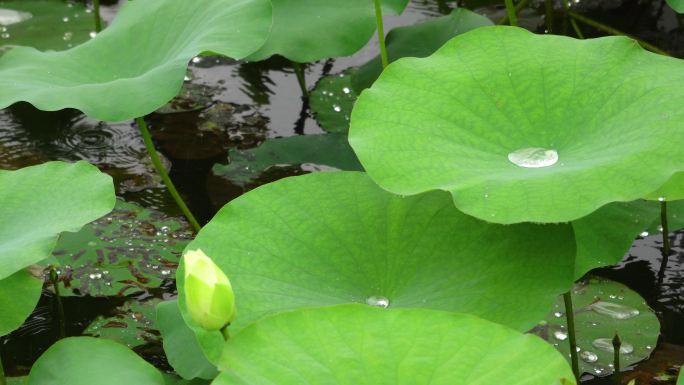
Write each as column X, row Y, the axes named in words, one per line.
column 419, row 40
column 180, row 344
column 128, row 250
column 351, row 242
column 132, row 324
column 39, row 202
column 603, row 308
column 522, row 127
column 330, row 150
column 672, row 190
column 356, row 344
column 680, row 381
column 332, row 100
column 44, row 24
column 137, row 64
column 19, row 294
column 310, row 30
column 87, row 361
column 678, row 6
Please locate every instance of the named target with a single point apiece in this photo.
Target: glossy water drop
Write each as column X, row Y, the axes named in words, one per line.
column 10, row 16
column 661, row 199
column 588, row 356
column 337, row 108
column 614, row 310
column 92, row 34
column 606, row 344
column 5, row 35
column 378, row 301
column 644, row 234
column 346, row 90
column 558, row 314
column 560, row 335
column 533, row 157
column 65, row 19
column 67, row 36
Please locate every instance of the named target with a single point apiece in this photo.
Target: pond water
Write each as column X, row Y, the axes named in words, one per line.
column 238, row 105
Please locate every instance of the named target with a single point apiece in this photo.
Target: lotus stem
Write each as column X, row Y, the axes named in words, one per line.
column 512, row 13
column 522, row 4
column 573, row 22
column 96, row 11
column 381, row 33
column 617, row 376
column 613, row 31
column 54, row 278
column 548, row 18
column 301, row 79
column 147, row 138
column 3, row 381
column 572, row 337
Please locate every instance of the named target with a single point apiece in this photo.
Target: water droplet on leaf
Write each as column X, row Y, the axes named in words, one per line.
column 378, row 301
column 533, row 157
column 614, row 310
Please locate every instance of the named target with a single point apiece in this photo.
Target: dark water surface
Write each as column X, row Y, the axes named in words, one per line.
column 263, row 100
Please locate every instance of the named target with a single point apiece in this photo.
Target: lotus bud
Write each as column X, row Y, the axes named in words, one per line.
column 209, row 296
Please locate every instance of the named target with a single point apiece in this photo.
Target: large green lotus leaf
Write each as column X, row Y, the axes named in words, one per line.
column 39, row 202
column 678, row 6
column 137, row 64
column 128, row 250
column 44, row 24
column 361, row 345
column 16, row 380
column 419, row 40
column 19, row 294
column 453, row 120
column 330, row 150
column 349, row 241
column 680, row 381
column 88, row 361
column 603, row 308
column 180, row 344
column 310, row 30
column 672, row 190
column 172, row 379
column 131, row 324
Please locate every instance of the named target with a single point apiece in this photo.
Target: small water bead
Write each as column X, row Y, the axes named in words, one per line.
column 660, row 228
column 560, row 335
column 346, row 90
column 5, row 35
column 65, row 19
column 606, row 344
column 10, row 16
column 533, row 157
column 92, row 34
column 614, row 310
column 67, row 36
column 661, row 199
column 588, row 356
column 337, row 108
column 558, row 314
column 378, row 301
column 644, row 234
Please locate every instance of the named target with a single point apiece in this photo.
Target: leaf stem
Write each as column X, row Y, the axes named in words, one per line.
column 3, row 381
column 512, row 14
column 147, row 138
column 96, row 12
column 613, row 31
column 573, row 22
column 548, row 18
column 381, row 33
column 301, row 78
column 666, row 239
column 572, row 337
column 58, row 298
column 522, row 4
column 617, row 376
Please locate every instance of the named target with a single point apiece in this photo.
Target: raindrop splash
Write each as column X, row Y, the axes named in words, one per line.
column 533, row 157
column 614, row 310
column 378, row 301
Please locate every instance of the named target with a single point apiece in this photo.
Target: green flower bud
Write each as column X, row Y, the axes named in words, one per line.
column 209, row 296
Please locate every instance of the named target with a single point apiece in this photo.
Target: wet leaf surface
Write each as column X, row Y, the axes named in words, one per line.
column 131, row 249
column 332, row 101
column 132, row 324
column 601, row 309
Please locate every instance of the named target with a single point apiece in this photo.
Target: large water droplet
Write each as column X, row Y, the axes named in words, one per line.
column 588, row 356
column 533, row 157
column 560, row 335
column 606, row 344
column 614, row 310
column 378, row 301
column 10, row 16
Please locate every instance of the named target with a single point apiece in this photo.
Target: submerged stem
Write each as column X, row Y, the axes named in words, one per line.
column 572, row 338
column 301, row 79
column 381, row 33
column 58, row 298
column 3, row 381
column 613, row 31
column 522, row 4
column 147, row 138
column 96, row 12
column 573, row 22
